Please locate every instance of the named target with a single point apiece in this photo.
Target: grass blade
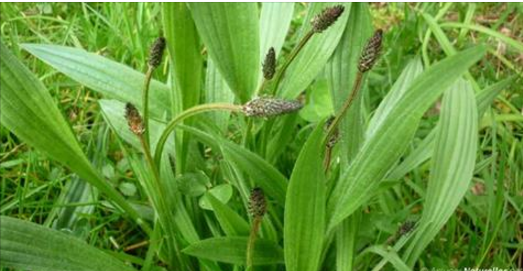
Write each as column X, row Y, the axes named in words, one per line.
column 232, row 250
column 304, row 226
column 231, row 33
column 452, row 166
column 55, row 250
column 381, row 151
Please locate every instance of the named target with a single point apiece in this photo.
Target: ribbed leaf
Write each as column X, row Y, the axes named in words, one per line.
column 230, row 32
column 184, row 52
column 24, row 245
column 233, row 250
column 395, row 95
column 303, row 231
column 381, row 151
column 424, row 150
column 275, row 20
column 217, row 91
column 452, row 165
column 313, row 57
column 103, row 75
column 29, row 112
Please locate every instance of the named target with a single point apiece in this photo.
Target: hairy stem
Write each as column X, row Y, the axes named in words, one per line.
column 186, row 114
column 252, row 239
column 145, row 102
column 335, row 123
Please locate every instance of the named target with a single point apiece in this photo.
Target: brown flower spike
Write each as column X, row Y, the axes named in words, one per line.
column 257, row 204
column 371, row 52
column 326, row 18
column 156, row 53
column 269, row 107
column 134, row 119
column 269, row 65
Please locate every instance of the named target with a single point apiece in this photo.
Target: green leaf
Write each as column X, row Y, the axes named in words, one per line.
column 231, row 222
column 184, row 52
column 395, row 95
column 383, row 149
column 452, row 165
column 231, row 33
column 103, row 75
column 217, row 91
column 29, row 112
column 25, row 245
column 304, row 227
column 275, row 20
column 222, row 192
column 233, row 250
column 425, row 148
column 313, row 57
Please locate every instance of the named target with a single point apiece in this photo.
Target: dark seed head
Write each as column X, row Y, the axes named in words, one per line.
column 326, row 18
column 156, row 53
column 134, row 120
column 257, row 204
column 269, row 65
column 371, row 52
column 406, row 227
column 269, row 107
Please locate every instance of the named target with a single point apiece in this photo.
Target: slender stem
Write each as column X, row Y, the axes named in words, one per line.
column 159, row 203
column 294, row 53
column 145, row 102
column 335, row 123
column 346, row 105
column 252, row 239
column 186, row 114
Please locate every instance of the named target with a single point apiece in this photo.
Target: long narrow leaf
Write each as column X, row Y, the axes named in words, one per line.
column 452, row 165
column 304, row 226
column 275, row 20
column 231, row 33
column 103, row 75
column 28, row 246
column 184, row 51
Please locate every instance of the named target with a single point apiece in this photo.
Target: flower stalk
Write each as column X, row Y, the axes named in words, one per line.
column 155, row 59
column 368, row 58
column 187, row 114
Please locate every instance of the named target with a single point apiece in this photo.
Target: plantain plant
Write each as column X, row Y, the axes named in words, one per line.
column 222, row 139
